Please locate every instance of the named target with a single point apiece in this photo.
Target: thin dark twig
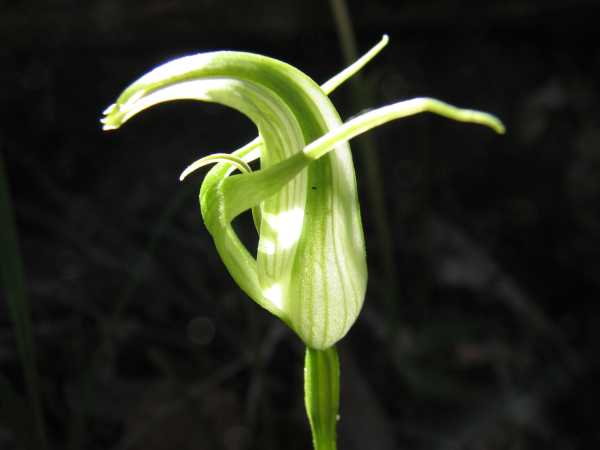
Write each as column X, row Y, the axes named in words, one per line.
column 369, row 158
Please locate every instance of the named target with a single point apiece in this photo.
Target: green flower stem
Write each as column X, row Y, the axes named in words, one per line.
column 322, row 395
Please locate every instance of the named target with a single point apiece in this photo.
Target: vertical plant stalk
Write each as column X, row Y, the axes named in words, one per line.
column 322, row 395
column 13, row 282
column 369, row 158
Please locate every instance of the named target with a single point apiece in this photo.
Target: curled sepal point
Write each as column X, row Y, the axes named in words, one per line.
column 239, row 163
column 227, row 158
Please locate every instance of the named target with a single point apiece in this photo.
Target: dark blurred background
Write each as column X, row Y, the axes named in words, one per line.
column 480, row 326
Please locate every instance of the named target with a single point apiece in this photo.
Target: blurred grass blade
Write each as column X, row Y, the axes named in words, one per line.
column 13, row 283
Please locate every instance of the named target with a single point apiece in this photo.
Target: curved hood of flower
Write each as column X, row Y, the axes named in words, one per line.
column 310, row 267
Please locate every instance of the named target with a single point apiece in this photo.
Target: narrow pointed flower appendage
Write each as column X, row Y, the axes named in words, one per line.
column 310, row 266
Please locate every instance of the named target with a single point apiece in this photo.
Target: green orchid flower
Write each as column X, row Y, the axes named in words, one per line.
column 310, row 266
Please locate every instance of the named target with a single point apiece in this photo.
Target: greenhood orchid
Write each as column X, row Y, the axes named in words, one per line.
column 310, row 266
